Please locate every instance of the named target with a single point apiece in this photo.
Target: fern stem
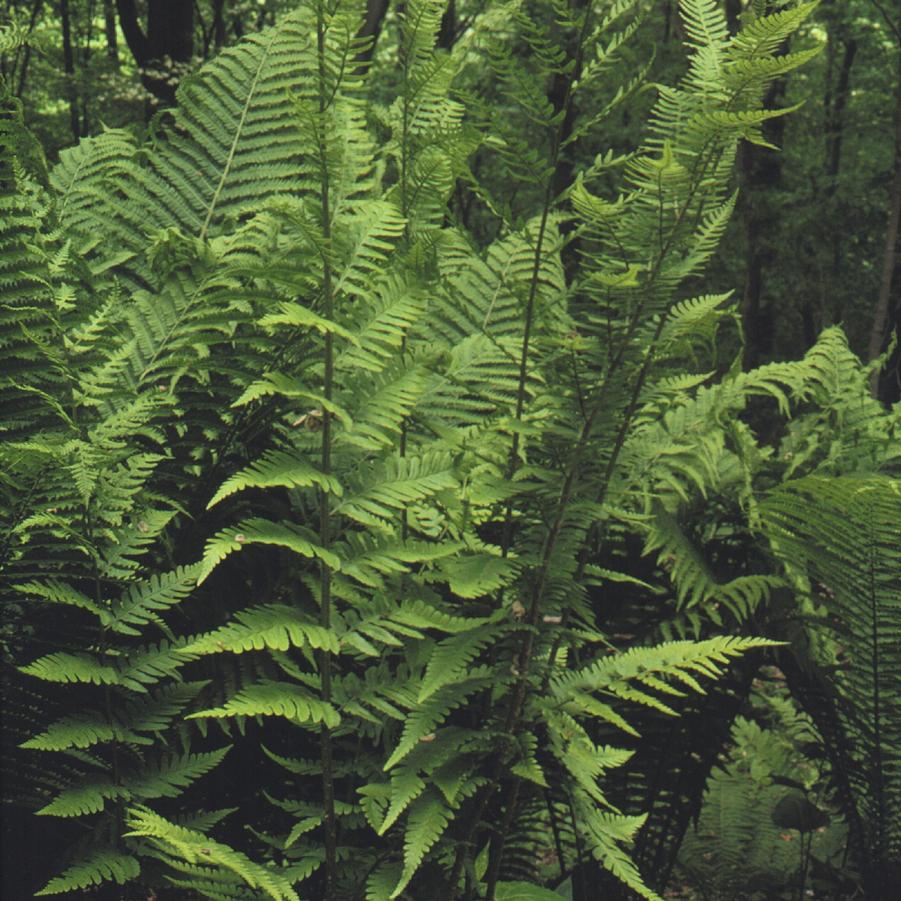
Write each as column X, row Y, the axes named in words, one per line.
column 626, row 421
column 524, row 657
column 325, row 585
column 564, row 114
column 507, row 538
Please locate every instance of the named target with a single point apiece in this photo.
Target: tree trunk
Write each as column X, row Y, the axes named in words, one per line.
column 218, row 23
column 447, row 34
column 879, row 328
column 109, row 27
column 834, row 104
column 371, row 28
column 26, row 51
column 761, row 174
column 164, row 52
column 761, row 171
column 69, row 68
column 88, row 38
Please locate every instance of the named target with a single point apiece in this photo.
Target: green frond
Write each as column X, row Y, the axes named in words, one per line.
column 476, row 575
column 170, row 775
column 276, row 699
column 196, row 848
column 272, row 626
column 843, row 533
column 427, row 819
column 451, row 659
column 406, row 787
column 277, row 469
column 606, row 832
column 704, row 22
column 64, row 667
column 395, row 485
column 102, row 865
column 655, row 668
column 141, row 602
column 427, row 716
column 261, row 531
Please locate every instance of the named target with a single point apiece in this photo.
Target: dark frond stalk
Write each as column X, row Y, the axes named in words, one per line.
column 555, row 830
column 562, row 127
column 524, row 657
column 325, row 586
column 881, row 826
column 637, row 387
column 405, row 154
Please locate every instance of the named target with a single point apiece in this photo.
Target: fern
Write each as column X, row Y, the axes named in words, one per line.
column 843, row 533
column 102, row 866
column 195, row 847
column 270, row 330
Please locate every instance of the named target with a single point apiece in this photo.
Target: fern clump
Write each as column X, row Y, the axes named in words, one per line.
column 309, row 479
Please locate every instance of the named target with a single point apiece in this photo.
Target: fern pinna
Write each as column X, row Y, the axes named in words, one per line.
column 326, row 477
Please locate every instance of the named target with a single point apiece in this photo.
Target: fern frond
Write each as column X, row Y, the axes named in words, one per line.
column 196, row 848
column 272, row 626
column 103, row 865
column 276, row 699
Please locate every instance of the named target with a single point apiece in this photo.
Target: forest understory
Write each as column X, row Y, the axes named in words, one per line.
column 450, row 450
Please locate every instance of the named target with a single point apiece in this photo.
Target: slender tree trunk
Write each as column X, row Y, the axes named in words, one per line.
column 26, row 50
column 218, row 23
column 761, row 170
column 879, row 328
column 109, row 27
column 371, row 28
column 69, row 68
column 835, row 104
column 447, row 34
column 164, row 52
column 835, row 115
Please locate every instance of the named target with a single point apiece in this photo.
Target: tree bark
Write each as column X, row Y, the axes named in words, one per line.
column 69, row 68
column 879, row 329
column 834, row 103
column 835, row 111
column 447, row 34
column 26, row 51
column 112, row 36
column 164, row 52
column 371, row 28
column 218, row 23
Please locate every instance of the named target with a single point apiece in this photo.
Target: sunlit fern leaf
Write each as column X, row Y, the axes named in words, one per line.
column 234, row 139
column 606, row 833
column 103, row 865
column 424, row 718
column 168, row 776
column 406, row 786
column 141, row 602
column 147, row 715
column 277, row 469
column 451, row 659
column 196, row 848
column 65, row 667
column 83, row 173
column 475, row 575
column 273, row 626
column 276, row 699
column 392, row 486
column 427, row 819
column 655, row 668
column 261, row 531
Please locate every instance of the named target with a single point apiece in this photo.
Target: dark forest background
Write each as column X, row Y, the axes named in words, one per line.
column 816, row 236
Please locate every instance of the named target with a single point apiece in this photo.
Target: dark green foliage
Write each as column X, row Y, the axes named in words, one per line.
column 323, row 506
